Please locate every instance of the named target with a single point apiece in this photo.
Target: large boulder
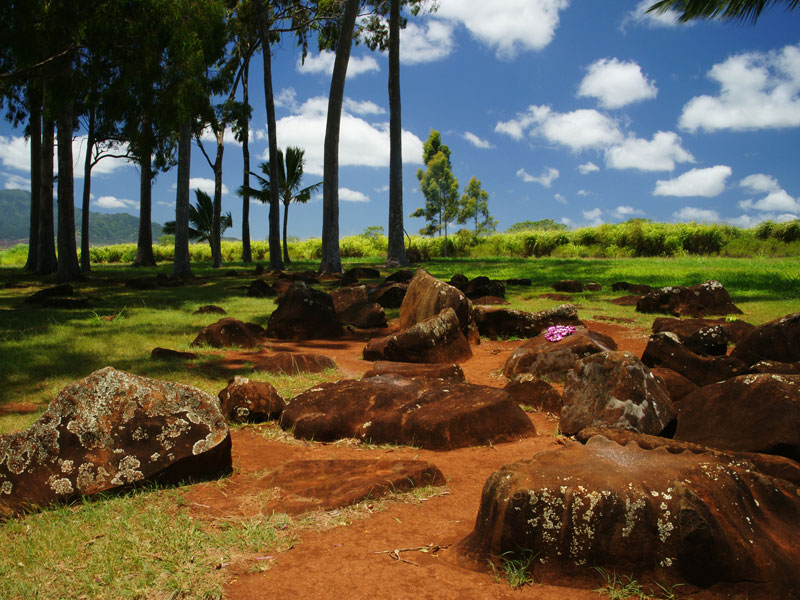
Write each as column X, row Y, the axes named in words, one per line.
column 428, row 296
column 230, row 332
column 555, row 359
column 304, row 313
column 437, row 339
column 665, row 350
column 568, row 285
column 529, row 391
column 614, row 389
column 483, row 286
column 750, row 413
column 688, row 329
column 431, row 413
column 506, row 322
column 261, row 289
column 676, row 518
column 446, row 371
column 707, row 298
column 346, row 297
column 677, row 385
column 778, row 340
column 388, row 295
column 244, row 400
column 109, row 431
column 293, row 363
column 353, row 307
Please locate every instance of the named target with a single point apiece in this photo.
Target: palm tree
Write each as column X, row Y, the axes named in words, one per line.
column 290, row 174
column 201, row 219
column 724, row 10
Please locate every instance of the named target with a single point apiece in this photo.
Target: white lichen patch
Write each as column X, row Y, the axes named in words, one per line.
column 139, row 434
column 155, row 456
column 60, row 485
column 6, row 488
column 128, row 471
column 631, row 508
column 66, row 466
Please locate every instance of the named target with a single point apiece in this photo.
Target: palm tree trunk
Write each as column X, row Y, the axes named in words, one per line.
column 35, row 102
column 285, row 229
column 216, row 227
column 247, row 255
column 87, row 194
column 181, row 264
column 144, row 246
column 396, row 251
column 331, row 259
column 47, row 251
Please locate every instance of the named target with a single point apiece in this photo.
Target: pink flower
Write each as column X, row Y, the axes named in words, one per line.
column 556, row 333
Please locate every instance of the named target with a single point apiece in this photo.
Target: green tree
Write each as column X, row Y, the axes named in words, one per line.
column 439, row 186
column 475, row 206
column 201, row 220
column 541, row 225
column 724, row 10
column 290, row 176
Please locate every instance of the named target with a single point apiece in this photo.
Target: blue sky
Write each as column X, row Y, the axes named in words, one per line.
column 579, row 111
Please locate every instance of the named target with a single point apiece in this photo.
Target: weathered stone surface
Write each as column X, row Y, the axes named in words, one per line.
column 244, row 400
column 210, row 309
column 344, row 298
column 230, row 332
column 768, row 464
column 625, row 300
column 773, row 366
column 701, row 336
column 261, row 289
column 428, row 296
column 489, row 301
column 593, row 287
column 437, row 339
column 677, row 385
column 293, row 363
column 674, row 518
column 363, row 273
column 446, row 371
column 529, row 390
column 750, row 413
column 665, row 350
column 167, row 354
column 568, row 285
column 108, row 431
column 389, row 295
column 707, row 298
column 369, row 315
column 614, row 389
column 506, row 322
column 430, row 413
column 347, row 280
column 459, row 281
column 685, row 328
column 554, row 359
column 778, row 340
column 401, row 276
column 483, row 286
column 304, row 313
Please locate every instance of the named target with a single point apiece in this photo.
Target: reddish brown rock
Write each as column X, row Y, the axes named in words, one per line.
column 701, row 336
column 483, row 286
column 446, row 371
column 344, row 298
column 363, row 273
column 230, row 332
column 750, row 413
column 554, row 359
column 778, row 340
column 650, row 514
column 677, row 385
column 489, row 301
column 665, row 350
column 614, row 389
column 686, row 327
column 293, row 363
column 435, row 340
column 388, row 295
column 593, row 287
column 261, row 289
column 304, row 313
column 250, row 401
column 369, row 315
column 459, row 281
column 529, row 390
column 625, row 300
column 568, row 285
column 210, row 309
column 167, row 354
column 506, row 322
column 707, row 298
column 427, row 297
column 109, row 431
column 773, row 366
column 428, row 413
column 401, row 276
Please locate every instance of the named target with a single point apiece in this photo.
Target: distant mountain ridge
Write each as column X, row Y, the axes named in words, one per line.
column 104, row 229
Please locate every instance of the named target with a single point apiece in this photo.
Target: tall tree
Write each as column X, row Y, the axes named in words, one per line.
column 35, row 136
column 396, row 250
column 47, row 261
column 201, row 220
column 475, row 206
column 725, row 10
column 181, row 267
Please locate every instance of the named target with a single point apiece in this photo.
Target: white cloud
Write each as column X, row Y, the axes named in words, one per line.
column 365, row 107
column 205, row 185
column 348, row 195
column 626, row 212
column 659, row 154
column 560, row 199
column 15, row 154
column 112, row 202
column 578, row 130
column 760, row 183
column 587, row 168
column 382, row 189
column 594, row 216
column 776, row 200
column 287, row 98
column 17, row 182
column 510, row 28
column 546, row 178
column 584, row 193
column 322, row 63
column 758, row 91
column 228, row 138
column 616, row 84
column 477, row 142
column 698, row 215
column 426, row 43
column 639, row 15
column 697, row 182
column 360, row 143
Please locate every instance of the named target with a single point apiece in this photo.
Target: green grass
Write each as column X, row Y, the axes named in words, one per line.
column 515, row 570
column 617, row 587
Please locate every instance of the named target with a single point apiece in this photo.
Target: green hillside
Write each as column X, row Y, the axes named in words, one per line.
column 104, row 229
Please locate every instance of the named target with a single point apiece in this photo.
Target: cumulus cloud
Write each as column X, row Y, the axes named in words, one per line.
column 16, row 182
column 659, row 154
column 113, row 202
column 322, row 63
column 697, row 182
column 546, row 178
column 698, row 215
column 640, row 16
column 584, row 193
column 511, row 27
column 365, row 107
column 228, row 139
column 560, row 199
column 578, row 130
column 616, row 83
column 587, row 168
column 776, row 199
column 360, row 143
column 626, row 212
column 287, row 98
column 205, row 185
column 426, row 43
column 757, row 91
column 348, row 195
column 593, row 217
column 15, row 154
column 477, row 142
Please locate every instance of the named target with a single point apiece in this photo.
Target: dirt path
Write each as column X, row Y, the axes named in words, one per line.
column 350, row 562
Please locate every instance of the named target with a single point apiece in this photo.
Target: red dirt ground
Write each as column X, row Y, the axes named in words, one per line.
column 351, row 562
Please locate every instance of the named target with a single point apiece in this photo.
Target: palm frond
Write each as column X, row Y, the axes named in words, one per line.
column 723, row 10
